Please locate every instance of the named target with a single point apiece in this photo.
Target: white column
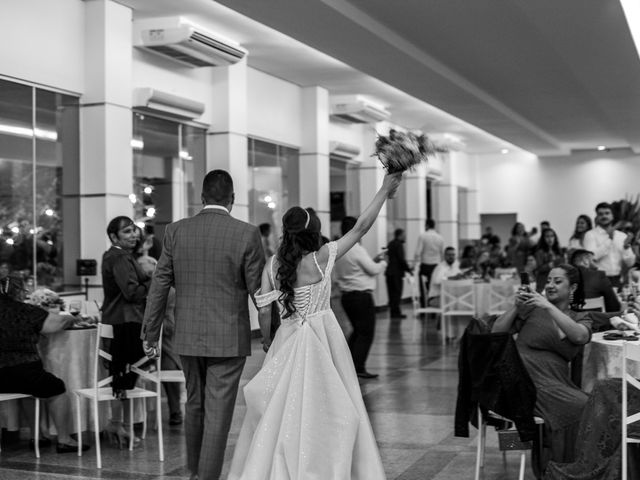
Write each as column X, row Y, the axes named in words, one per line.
column 469, row 218
column 415, row 193
column 314, row 154
column 106, row 161
column 227, row 136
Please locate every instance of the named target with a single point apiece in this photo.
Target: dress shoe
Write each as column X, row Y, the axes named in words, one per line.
column 365, row 374
column 175, row 418
column 42, row 443
column 66, row 448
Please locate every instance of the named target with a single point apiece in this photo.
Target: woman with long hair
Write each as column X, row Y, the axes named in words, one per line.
column 305, row 415
column 583, row 225
column 548, row 255
column 551, row 333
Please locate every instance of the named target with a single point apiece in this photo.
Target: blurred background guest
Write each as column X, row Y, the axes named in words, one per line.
column 265, row 236
column 548, row 255
column 596, row 284
column 583, row 225
column 396, row 269
column 449, row 267
column 11, row 285
column 125, row 286
column 429, row 252
column 468, row 257
column 518, row 247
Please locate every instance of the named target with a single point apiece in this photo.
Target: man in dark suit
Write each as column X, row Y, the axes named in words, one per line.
column 395, row 272
column 595, row 282
column 214, row 262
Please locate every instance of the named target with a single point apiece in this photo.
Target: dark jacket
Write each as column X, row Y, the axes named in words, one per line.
column 125, row 287
column 491, row 373
column 596, row 284
column 397, row 265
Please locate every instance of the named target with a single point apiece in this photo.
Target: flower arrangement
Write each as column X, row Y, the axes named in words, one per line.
column 401, row 151
column 45, row 298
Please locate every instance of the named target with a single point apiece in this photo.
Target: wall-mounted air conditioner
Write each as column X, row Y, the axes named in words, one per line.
column 185, row 42
column 155, row 101
column 357, row 109
column 343, row 150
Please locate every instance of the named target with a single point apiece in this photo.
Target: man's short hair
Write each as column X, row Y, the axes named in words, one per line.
column 578, row 254
column 397, row 233
column 448, row 249
column 347, row 224
column 430, row 223
column 217, row 187
column 603, row 205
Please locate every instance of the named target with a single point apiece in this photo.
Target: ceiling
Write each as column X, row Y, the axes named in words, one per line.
column 544, row 76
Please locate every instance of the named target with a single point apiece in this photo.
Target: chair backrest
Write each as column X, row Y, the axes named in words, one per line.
column 458, row 297
column 415, row 293
column 505, row 273
column 630, row 352
column 501, row 295
column 594, row 304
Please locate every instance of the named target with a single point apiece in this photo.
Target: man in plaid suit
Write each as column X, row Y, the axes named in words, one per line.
column 214, row 262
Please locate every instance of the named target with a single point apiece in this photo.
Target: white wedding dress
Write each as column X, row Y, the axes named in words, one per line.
column 305, row 416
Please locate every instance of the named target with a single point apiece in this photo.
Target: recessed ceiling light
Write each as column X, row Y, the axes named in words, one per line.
column 504, row 151
column 601, row 148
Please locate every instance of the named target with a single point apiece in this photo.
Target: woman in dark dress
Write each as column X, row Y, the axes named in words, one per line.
column 548, row 255
column 125, row 286
column 550, row 334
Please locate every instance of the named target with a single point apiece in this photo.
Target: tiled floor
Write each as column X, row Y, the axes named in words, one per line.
column 411, row 406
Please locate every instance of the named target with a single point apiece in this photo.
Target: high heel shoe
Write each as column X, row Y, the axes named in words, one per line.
column 119, row 437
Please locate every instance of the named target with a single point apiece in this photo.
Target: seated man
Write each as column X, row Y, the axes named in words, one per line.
column 596, row 284
column 449, row 267
column 21, row 370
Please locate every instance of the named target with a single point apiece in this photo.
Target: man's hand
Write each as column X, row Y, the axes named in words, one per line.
column 150, row 349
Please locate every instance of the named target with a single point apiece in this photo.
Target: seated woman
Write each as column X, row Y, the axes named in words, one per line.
column 550, row 334
column 21, row 369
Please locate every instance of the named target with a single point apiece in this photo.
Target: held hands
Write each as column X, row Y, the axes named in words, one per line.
column 391, row 183
column 150, row 349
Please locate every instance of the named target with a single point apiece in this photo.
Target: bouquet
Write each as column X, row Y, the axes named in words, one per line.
column 401, row 151
column 45, row 298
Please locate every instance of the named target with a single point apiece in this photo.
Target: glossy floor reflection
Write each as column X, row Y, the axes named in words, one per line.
column 411, row 406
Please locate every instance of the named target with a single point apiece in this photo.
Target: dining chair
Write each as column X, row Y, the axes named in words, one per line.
column 594, row 304
column 5, row 397
column 501, row 296
column 629, row 352
column 157, row 378
column 508, row 440
column 417, row 309
column 101, row 391
column 458, row 298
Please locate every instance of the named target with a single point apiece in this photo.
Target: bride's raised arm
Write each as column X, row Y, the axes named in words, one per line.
column 389, row 186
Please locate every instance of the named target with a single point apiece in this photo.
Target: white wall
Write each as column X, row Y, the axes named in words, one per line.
column 557, row 189
column 274, row 109
column 43, row 42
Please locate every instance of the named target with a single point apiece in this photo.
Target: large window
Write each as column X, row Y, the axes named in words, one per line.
column 39, row 214
column 273, row 182
column 168, row 169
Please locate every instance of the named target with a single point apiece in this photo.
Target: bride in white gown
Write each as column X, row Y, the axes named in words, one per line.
column 305, row 415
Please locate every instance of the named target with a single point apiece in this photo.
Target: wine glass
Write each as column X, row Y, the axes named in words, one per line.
column 75, row 307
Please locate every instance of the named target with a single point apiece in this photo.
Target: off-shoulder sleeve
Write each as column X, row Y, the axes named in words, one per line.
column 262, row 300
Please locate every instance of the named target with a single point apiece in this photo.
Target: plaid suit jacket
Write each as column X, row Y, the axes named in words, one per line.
column 214, row 261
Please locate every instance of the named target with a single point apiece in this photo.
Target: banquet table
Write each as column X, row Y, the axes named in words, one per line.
column 603, row 359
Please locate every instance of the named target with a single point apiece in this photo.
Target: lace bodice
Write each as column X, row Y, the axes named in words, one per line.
column 308, row 299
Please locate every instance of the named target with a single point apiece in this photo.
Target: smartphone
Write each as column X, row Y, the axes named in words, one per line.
column 524, row 281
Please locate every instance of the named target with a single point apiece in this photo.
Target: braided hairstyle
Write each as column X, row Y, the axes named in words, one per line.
column 574, row 276
column 300, row 235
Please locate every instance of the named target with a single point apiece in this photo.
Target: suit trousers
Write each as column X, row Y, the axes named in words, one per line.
column 426, row 269
column 212, row 387
column 394, row 290
column 361, row 311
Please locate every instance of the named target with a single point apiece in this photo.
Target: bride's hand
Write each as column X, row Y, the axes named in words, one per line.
column 391, row 183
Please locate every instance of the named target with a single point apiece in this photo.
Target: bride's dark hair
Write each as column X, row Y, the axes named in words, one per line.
column 300, row 235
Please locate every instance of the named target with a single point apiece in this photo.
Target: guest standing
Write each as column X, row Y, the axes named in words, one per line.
column 356, row 274
column 125, row 286
column 583, row 225
column 214, row 261
column 429, row 253
column 396, row 271
column 518, row 247
column 611, row 247
column 548, row 255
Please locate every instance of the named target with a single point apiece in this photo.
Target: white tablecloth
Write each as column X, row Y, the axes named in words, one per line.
column 603, row 359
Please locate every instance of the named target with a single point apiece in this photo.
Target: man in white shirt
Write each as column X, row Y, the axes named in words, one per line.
column 448, row 268
column 611, row 247
column 429, row 253
column 356, row 275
